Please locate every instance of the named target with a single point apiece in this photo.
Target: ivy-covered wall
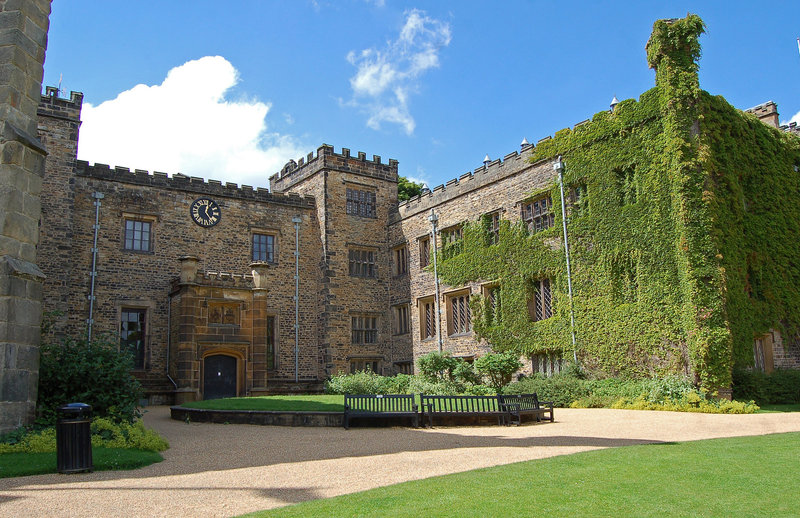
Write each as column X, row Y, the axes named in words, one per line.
column 684, row 244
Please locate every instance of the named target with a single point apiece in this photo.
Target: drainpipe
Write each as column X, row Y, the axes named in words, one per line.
column 558, row 165
column 97, row 197
column 433, row 218
column 169, row 337
column 296, row 220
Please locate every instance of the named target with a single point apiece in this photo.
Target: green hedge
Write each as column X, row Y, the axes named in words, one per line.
column 778, row 388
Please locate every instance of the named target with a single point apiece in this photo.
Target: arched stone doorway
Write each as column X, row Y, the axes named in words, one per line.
column 220, row 373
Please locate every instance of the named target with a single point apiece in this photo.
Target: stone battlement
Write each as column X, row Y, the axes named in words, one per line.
column 792, row 127
column 215, row 278
column 190, row 183
column 296, row 171
column 766, row 112
column 488, row 173
column 52, row 105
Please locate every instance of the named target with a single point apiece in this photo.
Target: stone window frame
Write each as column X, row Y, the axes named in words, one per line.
column 764, row 353
column 627, row 183
column 361, row 203
column 364, row 328
column 577, row 200
column 424, row 245
column 458, row 313
column 537, row 213
column 450, row 239
column 494, row 224
column 374, row 363
column 540, row 299
column 491, row 292
column 404, row 367
column 268, row 233
column 400, row 260
column 401, row 322
column 147, row 307
column 362, row 262
column 546, row 364
column 150, row 219
column 427, row 317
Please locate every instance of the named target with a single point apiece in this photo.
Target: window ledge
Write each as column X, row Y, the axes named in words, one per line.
column 457, row 335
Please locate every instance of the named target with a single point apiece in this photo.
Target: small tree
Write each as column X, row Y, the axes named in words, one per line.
column 95, row 373
column 498, row 367
column 406, row 189
column 437, row 366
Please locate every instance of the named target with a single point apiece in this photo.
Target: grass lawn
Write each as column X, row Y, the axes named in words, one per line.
column 780, row 408
column 104, row 459
column 743, row 476
column 310, row 403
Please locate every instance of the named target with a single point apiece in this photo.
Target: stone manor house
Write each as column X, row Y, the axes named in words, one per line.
column 221, row 289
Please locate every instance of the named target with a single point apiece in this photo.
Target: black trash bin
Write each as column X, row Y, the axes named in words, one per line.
column 74, row 438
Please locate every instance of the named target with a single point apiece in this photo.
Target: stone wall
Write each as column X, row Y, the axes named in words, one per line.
column 499, row 186
column 143, row 279
column 59, row 125
column 23, row 39
column 327, row 177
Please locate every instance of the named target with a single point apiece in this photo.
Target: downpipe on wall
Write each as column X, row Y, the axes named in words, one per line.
column 558, row 165
column 93, row 274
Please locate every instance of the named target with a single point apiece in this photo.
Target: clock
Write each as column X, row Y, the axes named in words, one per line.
column 205, row 212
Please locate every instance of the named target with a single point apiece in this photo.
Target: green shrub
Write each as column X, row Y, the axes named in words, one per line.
column 105, row 433
column 465, row 373
column 692, row 402
column 423, row 385
column 561, row 389
column 96, row 373
column 781, row 387
column 436, row 366
column 498, row 367
column 362, row 382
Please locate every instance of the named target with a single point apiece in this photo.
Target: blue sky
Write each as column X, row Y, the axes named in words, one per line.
column 233, row 90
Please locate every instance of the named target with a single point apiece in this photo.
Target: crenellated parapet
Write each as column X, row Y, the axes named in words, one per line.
column 766, row 112
column 792, row 127
column 190, row 183
column 214, row 278
column 325, row 158
column 491, row 172
column 51, row 105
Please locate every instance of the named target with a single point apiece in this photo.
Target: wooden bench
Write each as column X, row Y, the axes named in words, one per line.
column 449, row 406
column 518, row 405
column 380, row 406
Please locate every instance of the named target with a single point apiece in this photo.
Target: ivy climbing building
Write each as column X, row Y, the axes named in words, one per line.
column 681, row 222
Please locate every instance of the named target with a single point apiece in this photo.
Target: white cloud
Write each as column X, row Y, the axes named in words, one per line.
column 796, row 119
column 385, row 78
column 187, row 125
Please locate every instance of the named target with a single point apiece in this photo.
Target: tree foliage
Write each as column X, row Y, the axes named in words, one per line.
column 95, row 373
column 498, row 367
column 406, row 189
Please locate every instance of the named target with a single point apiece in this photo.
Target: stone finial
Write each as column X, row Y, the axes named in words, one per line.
column 188, row 268
column 259, row 274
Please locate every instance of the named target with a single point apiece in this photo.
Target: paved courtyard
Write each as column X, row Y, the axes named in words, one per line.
column 225, row 470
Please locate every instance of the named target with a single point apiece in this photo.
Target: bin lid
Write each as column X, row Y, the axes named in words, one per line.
column 76, row 409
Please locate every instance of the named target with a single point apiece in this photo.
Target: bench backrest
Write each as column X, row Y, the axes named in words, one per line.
column 459, row 404
column 379, row 402
column 525, row 401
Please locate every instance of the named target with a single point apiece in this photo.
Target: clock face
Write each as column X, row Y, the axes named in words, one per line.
column 205, row 212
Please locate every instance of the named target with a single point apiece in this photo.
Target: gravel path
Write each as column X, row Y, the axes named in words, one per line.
column 225, row 470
